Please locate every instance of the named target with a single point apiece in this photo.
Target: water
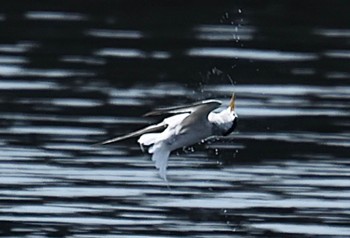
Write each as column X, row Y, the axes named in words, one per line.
column 72, row 75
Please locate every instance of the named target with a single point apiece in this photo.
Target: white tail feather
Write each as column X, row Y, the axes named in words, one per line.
column 159, row 150
column 160, row 156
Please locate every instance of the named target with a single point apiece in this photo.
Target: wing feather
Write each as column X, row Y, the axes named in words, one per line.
column 200, row 115
column 199, row 110
column 149, row 129
column 185, row 109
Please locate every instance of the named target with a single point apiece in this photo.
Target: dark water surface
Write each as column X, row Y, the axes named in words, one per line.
column 76, row 72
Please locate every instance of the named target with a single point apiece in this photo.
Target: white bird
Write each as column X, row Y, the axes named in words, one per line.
column 188, row 125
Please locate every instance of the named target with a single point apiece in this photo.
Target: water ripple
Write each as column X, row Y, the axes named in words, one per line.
column 251, row 54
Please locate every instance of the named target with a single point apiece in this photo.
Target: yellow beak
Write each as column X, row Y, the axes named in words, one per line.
column 232, row 102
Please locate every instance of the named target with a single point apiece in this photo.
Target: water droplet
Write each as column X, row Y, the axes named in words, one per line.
column 216, row 151
column 239, row 10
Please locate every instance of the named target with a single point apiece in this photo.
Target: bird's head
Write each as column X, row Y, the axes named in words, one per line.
column 231, row 117
column 225, row 121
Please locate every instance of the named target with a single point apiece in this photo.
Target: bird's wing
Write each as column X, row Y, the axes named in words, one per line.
column 203, row 105
column 199, row 115
column 149, row 129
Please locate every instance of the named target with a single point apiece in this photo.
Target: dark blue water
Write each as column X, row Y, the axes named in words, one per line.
column 74, row 73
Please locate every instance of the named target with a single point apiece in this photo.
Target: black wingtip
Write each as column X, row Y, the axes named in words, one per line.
column 95, row 144
column 99, row 144
column 106, row 142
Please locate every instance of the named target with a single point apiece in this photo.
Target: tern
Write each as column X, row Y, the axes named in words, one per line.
column 185, row 126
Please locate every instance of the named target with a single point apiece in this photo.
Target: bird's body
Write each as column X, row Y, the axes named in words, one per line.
column 189, row 125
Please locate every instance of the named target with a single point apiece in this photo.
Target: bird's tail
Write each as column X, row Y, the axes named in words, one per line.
column 159, row 150
column 160, row 154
